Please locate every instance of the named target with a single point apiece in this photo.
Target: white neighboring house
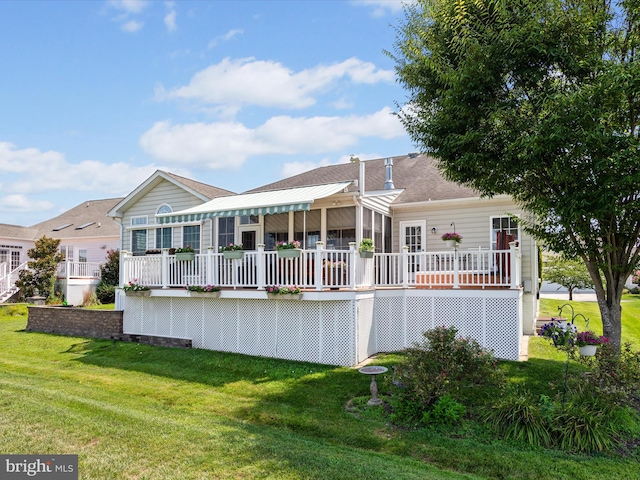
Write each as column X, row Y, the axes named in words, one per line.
column 485, row 286
column 85, row 234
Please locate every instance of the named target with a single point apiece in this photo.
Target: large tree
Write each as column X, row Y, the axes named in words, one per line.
column 538, row 99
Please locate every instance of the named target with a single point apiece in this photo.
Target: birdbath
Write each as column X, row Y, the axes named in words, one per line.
column 373, row 371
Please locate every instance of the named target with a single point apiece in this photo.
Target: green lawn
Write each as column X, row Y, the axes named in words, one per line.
column 136, row 412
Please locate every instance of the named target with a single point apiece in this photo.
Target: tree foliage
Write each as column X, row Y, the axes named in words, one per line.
column 45, row 257
column 570, row 273
column 110, row 270
column 540, row 100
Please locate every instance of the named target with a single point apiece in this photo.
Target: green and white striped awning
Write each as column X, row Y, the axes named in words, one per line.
column 260, row 203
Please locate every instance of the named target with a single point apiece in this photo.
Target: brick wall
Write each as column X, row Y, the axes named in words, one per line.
column 77, row 322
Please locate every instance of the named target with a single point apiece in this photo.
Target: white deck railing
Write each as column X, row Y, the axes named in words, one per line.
column 319, row 269
column 78, row 270
column 8, row 278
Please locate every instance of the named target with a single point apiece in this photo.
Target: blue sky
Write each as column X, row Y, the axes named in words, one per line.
column 97, row 95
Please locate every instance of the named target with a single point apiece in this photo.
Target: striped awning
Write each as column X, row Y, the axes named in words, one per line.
column 260, row 203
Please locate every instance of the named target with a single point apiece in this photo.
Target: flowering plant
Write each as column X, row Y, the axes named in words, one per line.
column 287, row 246
column 206, row 288
column 231, row 248
column 292, row 290
column 185, row 249
column 133, row 286
column 338, row 264
column 561, row 333
column 456, row 237
column 589, row 338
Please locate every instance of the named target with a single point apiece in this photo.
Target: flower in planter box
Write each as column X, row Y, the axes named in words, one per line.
column 456, row 237
column 589, row 338
column 203, row 289
column 133, row 286
column 231, row 248
column 338, row 264
column 185, row 249
column 287, row 246
column 277, row 289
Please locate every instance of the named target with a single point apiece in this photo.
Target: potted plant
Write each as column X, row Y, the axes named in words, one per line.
column 335, row 273
column 185, row 253
column 134, row 289
column 285, row 293
column 212, row 291
column 562, row 334
column 232, row 251
column 366, row 248
column 588, row 343
column 288, row 249
column 452, row 239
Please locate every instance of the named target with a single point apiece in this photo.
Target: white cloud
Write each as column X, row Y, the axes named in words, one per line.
column 21, row 203
column 225, row 38
column 248, row 81
column 381, row 8
column 132, row 26
column 129, row 6
column 170, row 21
column 31, row 171
column 227, row 145
column 290, row 169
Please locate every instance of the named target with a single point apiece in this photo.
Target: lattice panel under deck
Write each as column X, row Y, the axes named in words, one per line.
column 156, row 320
column 390, row 326
column 132, row 315
column 419, row 312
column 466, row 314
column 338, row 336
column 503, row 329
column 295, row 326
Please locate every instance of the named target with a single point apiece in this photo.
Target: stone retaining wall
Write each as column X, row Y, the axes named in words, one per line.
column 80, row 322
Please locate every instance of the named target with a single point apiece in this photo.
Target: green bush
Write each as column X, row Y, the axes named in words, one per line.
column 443, row 364
column 106, row 293
column 446, row 411
column 110, row 270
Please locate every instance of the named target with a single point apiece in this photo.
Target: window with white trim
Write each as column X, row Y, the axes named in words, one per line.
column 164, row 208
column 503, row 224
column 138, row 242
column 140, row 220
column 164, row 237
column 191, row 237
column 226, row 229
column 82, row 255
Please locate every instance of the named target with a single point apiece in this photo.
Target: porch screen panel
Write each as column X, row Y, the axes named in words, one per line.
column 377, row 231
column 341, row 223
column 226, row 228
column 276, row 229
column 312, row 227
column 388, row 247
column 367, row 221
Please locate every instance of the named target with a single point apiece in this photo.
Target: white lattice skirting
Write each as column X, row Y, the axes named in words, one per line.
column 341, row 328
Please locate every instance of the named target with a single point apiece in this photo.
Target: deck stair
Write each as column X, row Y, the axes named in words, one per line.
column 8, row 294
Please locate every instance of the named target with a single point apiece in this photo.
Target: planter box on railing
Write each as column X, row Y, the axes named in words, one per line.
column 284, row 296
column 233, row 255
column 185, row 256
column 289, row 253
column 367, row 254
column 205, row 294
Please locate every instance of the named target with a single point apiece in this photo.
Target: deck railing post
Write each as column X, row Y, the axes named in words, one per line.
column 456, row 269
column 405, row 266
column 126, row 267
column 164, row 269
column 317, row 274
column 211, row 277
column 351, row 264
column 260, row 280
column 514, row 264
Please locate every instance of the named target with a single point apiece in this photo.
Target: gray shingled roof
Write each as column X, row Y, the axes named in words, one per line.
column 206, row 190
column 87, row 212
column 416, row 174
column 18, row 232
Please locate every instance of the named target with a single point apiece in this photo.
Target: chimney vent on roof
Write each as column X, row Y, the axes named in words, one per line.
column 388, row 184
column 413, row 154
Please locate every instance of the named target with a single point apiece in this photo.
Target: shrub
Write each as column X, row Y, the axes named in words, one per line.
column 446, row 411
column 443, row 364
column 106, row 293
column 89, row 298
column 519, row 416
column 110, row 270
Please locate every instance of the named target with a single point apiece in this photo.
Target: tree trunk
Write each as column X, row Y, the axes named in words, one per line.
column 570, row 293
column 611, row 322
column 609, row 296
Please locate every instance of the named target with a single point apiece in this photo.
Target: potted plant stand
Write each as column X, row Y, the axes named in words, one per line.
column 185, row 256
column 233, row 254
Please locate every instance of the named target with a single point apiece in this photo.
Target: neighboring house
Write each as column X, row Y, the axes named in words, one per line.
column 85, row 234
column 485, row 286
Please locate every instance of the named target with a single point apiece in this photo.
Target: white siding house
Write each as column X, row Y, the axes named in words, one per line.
column 485, row 286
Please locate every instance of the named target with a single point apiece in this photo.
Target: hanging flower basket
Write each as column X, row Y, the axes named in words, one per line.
column 451, row 243
column 289, row 253
column 588, row 350
column 233, row 254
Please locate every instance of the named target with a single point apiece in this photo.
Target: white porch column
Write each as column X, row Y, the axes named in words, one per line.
column 317, row 274
column 456, row 269
column 260, row 266
column 514, row 261
column 164, row 269
column 211, row 274
column 405, row 266
column 352, row 265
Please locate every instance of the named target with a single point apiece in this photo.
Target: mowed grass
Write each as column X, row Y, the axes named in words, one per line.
column 136, row 412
